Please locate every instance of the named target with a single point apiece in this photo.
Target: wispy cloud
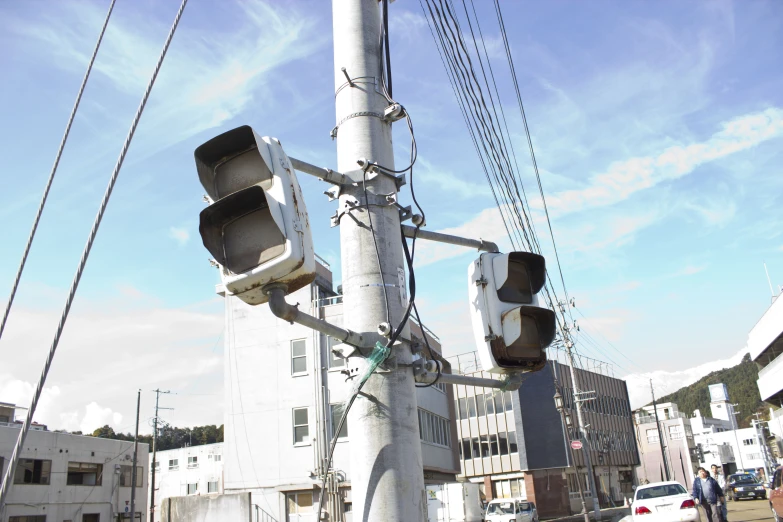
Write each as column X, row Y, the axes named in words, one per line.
column 449, row 182
column 625, row 178
column 180, row 235
column 146, row 340
column 208, row 77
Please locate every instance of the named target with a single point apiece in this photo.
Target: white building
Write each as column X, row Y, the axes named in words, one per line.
column 713, row 450
column 194, row 470
column 765, row 344
column 63, row 477
column 284, row 393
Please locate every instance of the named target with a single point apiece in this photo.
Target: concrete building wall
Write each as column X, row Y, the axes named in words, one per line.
column 765, row 344
column 514, row 444
column 236, row 507
column 263, row 389
column 194, row 470
column 679, row 448
column 54, row 494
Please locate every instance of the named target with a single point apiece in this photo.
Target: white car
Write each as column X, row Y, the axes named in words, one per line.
column 511, row 510
column 665, row 502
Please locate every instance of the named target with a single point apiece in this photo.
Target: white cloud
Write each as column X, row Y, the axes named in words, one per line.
column 109, row 349
column 624, row 178
column 180, row 235
column 449, row 182
column 207, row 79
column 669, row 382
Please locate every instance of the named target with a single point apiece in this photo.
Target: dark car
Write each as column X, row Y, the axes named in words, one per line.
column 744, row 485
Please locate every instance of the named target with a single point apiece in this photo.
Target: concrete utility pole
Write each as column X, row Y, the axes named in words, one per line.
column 155, row 452
column 583, row 432
column 660, row 435
column 386, row 465
column 135, row 459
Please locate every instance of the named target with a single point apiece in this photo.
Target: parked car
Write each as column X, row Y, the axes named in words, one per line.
column 744, row 485
column 776, row 495
column 511, row 510
column 668, row 502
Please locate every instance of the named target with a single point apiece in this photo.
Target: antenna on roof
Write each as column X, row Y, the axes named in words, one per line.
column 769, row 281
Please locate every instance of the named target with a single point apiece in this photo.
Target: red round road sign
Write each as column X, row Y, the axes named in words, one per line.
column 576, row 444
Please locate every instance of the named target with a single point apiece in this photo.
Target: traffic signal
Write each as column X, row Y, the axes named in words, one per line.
column 256, row 225
column 511, row 330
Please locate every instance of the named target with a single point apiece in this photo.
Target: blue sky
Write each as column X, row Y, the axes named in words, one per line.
column 657, row 128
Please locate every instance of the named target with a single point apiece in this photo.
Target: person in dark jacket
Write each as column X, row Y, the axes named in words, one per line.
column 709, row 494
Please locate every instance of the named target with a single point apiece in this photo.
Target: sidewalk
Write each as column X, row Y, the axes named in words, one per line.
column 607, row 515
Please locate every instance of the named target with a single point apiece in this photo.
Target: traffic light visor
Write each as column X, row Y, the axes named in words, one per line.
column 527, row 331
column 233, row 161
column 239, row 231
column 519, row 276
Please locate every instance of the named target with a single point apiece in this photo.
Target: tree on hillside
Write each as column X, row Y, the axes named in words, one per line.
column 169, row 437
column 743, row 391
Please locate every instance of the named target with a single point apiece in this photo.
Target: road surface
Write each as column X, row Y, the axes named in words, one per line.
column 749, row 510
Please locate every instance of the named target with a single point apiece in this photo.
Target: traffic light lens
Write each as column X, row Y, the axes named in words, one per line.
column 516, row 288
column 528, row 345
column 251, row 240
column 239, row 230
column 242, row 171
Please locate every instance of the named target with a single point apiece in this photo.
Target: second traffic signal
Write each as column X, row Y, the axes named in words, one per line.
column 511, row 330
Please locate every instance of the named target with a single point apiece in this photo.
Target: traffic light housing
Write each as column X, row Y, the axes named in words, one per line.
column 511, row 330
column 256, row 225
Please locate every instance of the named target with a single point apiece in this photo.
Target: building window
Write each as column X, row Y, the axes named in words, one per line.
column 512, row 442
column 476, row 448
column 480, row 406
column 509, row 403
column 300, row 502
column 503, row 443
column 218, row 458
column 652, row 436
column 157, row 465
column 301, row 426
column 173, row 464
column 298, row 357
column 472, row 406
column 490, row 405
column 193, row 488
column 28, row 518
column 434, row 429
column 748, row 442
column 336, row 411
column 126, row 479
column 33, row 471
column 462, row 407
column 675, row 432
column 84, row 474
column 335, row 361
column 498, row 398
column 466, row 451
column 212, row 487
column 193, row 462
column 753, row 456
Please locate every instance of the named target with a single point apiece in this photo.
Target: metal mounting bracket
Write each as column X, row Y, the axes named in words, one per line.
column 351, row 203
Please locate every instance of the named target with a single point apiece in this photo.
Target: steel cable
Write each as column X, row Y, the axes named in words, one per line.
column 53, row 171
column 11, row 470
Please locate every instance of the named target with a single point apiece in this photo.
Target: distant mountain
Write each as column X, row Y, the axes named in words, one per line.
column 741, row 382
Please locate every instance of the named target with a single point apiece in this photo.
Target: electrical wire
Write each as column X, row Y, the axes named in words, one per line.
column 83, row 262
column 53, row 171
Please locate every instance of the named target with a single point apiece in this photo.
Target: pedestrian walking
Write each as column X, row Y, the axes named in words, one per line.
column 709, row 494
column 721, row 480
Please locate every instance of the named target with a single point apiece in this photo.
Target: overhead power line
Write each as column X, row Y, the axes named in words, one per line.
column 54, row 171
column 6, row 484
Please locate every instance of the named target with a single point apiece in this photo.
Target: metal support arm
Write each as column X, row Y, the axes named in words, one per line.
column 479, row 244
column 290, row 313
column 425, row 372
column 327, row 175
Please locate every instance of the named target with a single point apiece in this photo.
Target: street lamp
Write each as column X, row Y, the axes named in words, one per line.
column 558, row 401
column 567, row 418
